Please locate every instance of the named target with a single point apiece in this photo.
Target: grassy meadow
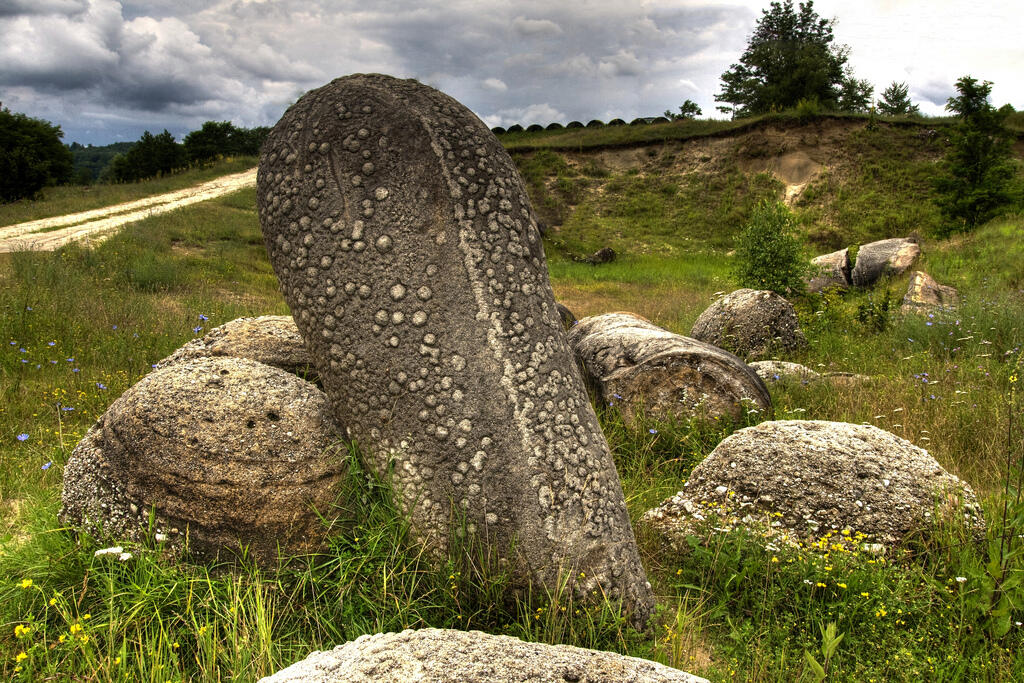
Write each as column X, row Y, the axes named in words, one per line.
column 81, row 326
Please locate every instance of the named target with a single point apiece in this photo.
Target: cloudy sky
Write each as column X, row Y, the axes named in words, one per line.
column 105, row 70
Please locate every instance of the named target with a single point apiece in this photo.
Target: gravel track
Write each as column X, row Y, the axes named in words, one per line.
column 98, row 224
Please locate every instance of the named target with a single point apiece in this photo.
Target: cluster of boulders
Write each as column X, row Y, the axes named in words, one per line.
column 411, row 260
column 876, row 260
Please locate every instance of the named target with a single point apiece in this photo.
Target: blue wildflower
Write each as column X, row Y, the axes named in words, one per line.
column 22, row 350
column 75, row 370
column 46, row 466
column 196, row 330
column 101, row 385
column 203, row 317
column 653, row 431
column 67, row 409
column 52, row 343
column 22, row 437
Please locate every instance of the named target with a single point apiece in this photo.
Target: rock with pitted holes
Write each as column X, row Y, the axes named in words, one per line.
column 830, row 270
column 884, row 257
column 751, row 323
column 813, row 477
column 409, row 254
column 228, row 452
column 452, row 656
column 269, row 339
column 635, row 365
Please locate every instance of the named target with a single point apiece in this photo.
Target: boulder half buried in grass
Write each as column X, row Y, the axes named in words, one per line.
column 753, row 324
column 810, row 478
column 227, row 452
column 634, row 364
column 884, row 257
column 830, row 270
column 453, row 656
column 925, row 295
column 409, row 254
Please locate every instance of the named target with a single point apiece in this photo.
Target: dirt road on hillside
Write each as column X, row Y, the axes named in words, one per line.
column 95, row 226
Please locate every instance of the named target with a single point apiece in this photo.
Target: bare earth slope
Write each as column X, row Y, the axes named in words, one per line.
column 93, row 226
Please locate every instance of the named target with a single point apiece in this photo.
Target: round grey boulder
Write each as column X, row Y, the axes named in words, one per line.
column 269, row 339
column 226, row 451
column 451, row 656
column 884, row 257
column 634, row 364
column 812, row 477
column 753, row 324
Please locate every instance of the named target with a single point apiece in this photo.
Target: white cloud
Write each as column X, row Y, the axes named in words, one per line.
column 535, row 27
column 495, row 84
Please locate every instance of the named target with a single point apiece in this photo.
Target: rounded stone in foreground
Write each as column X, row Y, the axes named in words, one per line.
column 812, row 477
column 751, row 323
column 633, row 363
column 269, row 339
column 780, row 370
column 451, row 656
column 227, row 451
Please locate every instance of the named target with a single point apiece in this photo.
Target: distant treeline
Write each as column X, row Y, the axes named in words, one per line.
column 154, row 155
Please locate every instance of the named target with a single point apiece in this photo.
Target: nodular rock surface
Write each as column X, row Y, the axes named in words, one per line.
column 632, row 363
column 813, row 477
column 407, row 249
column 884, row 257
column 752, row 323
column 269, row 339
column 227, row 451
column 452, row 656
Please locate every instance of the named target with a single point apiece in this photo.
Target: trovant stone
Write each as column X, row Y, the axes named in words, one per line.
column 269, row 339
column 227, row 451
column 409, row 254
column 634, row 363
column 924, row 295
column 451, row 656
column 832, row 270
column 751, row 323
column 812, row 477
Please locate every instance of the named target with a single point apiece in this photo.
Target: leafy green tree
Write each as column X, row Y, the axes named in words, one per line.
column 221, row 139
column 855, row 94
column 31, row 156
column 978, row 166
column 687, row 110
column 790, row 57
column 152, row 155
column 896, row 101
column 769, row 255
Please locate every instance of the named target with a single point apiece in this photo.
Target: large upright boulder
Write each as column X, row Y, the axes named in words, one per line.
column 269, row 339
column 227, row 452
column 813, row 477
column 449, row 656
column 884, row 257
column 753, row 324
column 409, row 254
column 632, row 363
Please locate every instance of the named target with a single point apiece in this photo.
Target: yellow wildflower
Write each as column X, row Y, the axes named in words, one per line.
column 865, row 595
column 26, row 583
column 117, row 660
column 21, row 657
column 75, row 628
column 21, row 630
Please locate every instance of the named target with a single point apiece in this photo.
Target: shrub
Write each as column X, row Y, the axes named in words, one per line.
column 515, row 128
column 595, row 123
column 616, row 122
column 639, row 122
column 574, row 124
column 769, row 254
column 554, row 126
column 534, row 128
column 498, row 130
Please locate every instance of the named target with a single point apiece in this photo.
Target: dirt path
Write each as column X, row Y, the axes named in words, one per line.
column 96, row 225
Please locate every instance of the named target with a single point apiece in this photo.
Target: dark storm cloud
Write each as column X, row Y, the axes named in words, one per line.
column 935, row 91
column 11, row 8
